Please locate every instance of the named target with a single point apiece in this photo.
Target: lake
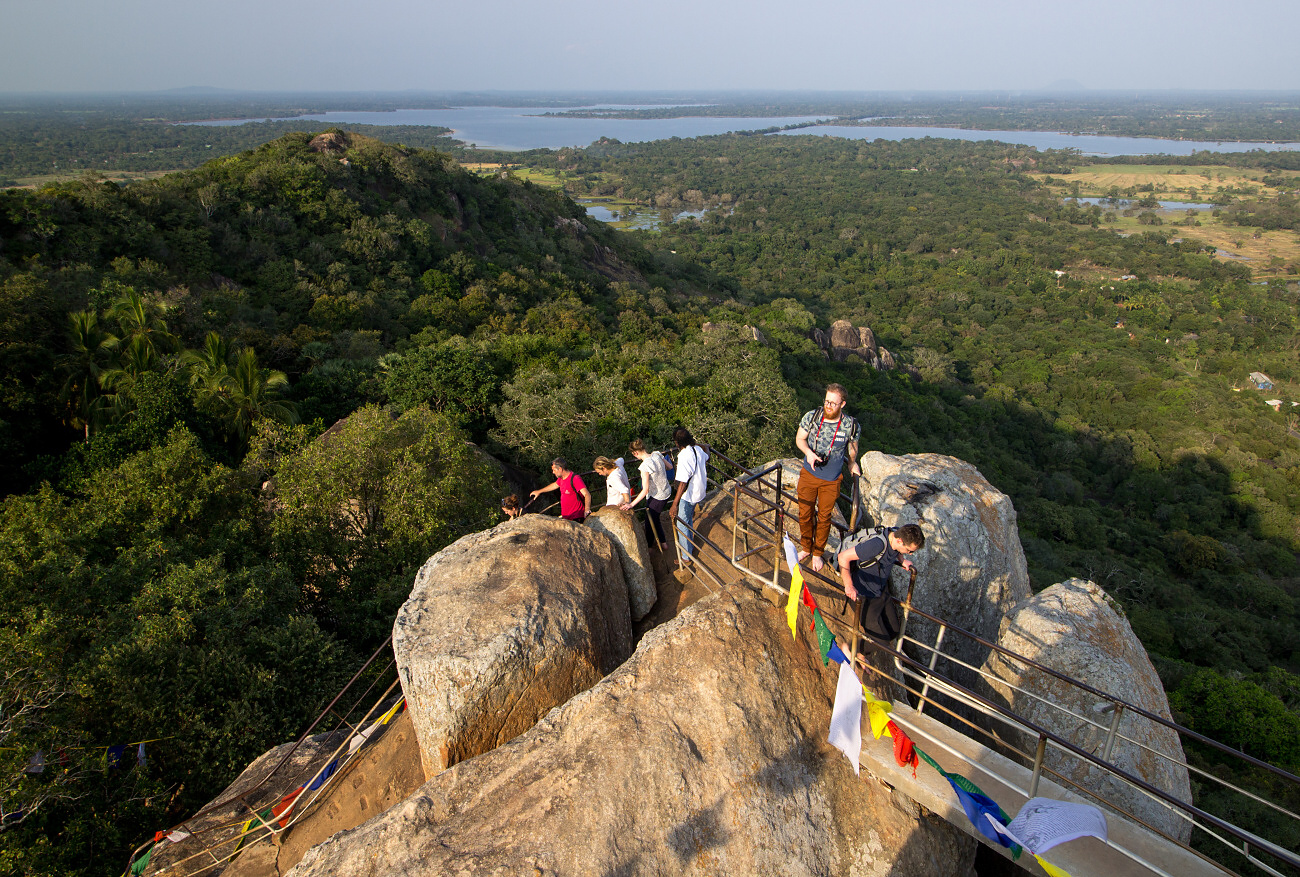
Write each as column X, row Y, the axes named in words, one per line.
column 516, row 128
column 520, row 128
column 1089, row 144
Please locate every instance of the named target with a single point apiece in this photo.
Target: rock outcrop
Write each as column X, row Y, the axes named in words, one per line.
column 972, row 569
column 629, row 540
column 1073, row 628
column 702, row 754
column 263, row 783
column 503, row 625
column 844, row 341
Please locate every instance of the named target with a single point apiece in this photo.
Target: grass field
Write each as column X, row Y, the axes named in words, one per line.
column 1267, row 253
column 1189, row 183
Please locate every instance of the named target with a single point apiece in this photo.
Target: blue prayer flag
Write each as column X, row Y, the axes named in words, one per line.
column 837, row 655
column 114, row 756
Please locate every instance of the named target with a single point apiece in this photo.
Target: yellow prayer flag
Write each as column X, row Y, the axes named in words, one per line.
column 796, row 586
column 1052, row 870
column 878, row 711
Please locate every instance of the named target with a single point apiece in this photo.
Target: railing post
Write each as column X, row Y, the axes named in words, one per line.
column 1117, row 712
column 1038, row 766
column 934, row 659
column 779, row 536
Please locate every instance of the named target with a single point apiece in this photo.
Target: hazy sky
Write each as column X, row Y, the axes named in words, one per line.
column 437, row 45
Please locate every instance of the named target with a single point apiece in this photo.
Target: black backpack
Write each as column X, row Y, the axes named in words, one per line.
column 878, row 616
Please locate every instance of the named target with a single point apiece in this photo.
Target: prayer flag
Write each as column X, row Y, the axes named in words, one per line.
column 139, row 756
column 837, row 655
column 1044, row 822
column 846, row 716
column 138, row 866
column 36, row 764
column 825, row 639
column 177, row 836
column 904, row 748
column 796, row 585
column 324, row 776
column 1052, row 870
column 114, row 756
column 878, row 712
column 980, row 810
column 808, row 598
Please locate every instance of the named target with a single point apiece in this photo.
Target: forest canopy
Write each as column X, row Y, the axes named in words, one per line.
column 238, row 401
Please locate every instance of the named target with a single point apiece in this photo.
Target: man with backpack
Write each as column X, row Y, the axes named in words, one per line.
column 865, row 567
column 827, row 437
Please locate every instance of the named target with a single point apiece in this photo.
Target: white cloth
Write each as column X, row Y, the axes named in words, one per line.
column 1043, row 823
column 654, row 474
column 692, row 471
column 618, row 489
column 846, row 716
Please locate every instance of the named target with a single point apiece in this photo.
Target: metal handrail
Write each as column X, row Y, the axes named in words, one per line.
column 1196, row 816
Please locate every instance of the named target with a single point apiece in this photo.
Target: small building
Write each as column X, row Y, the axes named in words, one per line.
column 1261, row 381
column 1275, row 404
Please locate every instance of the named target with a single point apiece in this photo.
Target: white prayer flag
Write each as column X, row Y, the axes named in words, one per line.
column 846, row 716
column 177, row 836
column 1044, row 823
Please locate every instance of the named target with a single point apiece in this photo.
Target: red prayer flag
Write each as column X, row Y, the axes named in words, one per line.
column 904, row 749
column 808, row 598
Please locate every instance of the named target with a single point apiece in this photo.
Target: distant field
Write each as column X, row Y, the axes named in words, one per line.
column 1098, row 180
column 35, row 182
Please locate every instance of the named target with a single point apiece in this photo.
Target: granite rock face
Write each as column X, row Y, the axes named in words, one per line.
column 1073, row 628
column 629, row 540
column 972, row 569
column 702, row 754
column 503, row 625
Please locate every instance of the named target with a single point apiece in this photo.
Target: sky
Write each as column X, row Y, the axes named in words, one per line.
column 512, row 45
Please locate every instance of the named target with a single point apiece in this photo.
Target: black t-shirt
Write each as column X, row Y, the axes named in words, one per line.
column 872, row 580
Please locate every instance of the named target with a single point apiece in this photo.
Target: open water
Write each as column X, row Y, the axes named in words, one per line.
column 516, row 128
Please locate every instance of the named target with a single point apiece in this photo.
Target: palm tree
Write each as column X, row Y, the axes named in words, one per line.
column 209, row 371
column 90, row 348
column 141, row 323
column 251, row 392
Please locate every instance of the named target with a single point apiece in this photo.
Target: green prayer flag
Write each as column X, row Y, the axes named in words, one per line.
column 824, row 636
column 138, row 866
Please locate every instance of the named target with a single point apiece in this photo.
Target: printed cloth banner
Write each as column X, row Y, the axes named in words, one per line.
column 114, row 756
column 836, row 655
column 904, row 748
column 846, row 716
column 983, row 812
column 138, row 866
column 324, row 776
column 1044, row 823
column 808, row 598
column 139, row 756
column 1052, row 870
column 36, row 765
column 796, row 585
column 825, row 639
column 878, row 712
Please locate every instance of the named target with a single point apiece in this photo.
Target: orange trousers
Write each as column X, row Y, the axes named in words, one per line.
column 816, row 505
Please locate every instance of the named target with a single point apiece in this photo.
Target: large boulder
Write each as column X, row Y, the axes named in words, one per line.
column 503, row 625
column 705, row 753
column 844, row 335
column 972, row 569
column 1074, row 628
column 633, row 552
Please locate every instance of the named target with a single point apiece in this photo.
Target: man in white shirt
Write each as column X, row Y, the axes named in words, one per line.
column 692, row 484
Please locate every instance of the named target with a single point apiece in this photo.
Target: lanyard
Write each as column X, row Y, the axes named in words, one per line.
column 822, row 423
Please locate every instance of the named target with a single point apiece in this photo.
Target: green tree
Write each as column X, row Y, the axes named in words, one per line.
column 360, row 507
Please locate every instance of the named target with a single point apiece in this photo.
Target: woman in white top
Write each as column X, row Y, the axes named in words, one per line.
column 618, row 489
column 656, row 490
